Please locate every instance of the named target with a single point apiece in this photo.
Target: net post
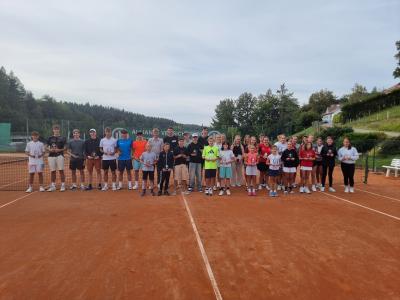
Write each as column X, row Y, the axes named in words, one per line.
column 366, row 169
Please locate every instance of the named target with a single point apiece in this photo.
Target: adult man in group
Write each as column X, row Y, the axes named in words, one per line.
column 203, row 139
column 93, row 158
column 56, row 145
column 76, row 150
column 194, row 150
column 108, row 146
column 124, row 146
column 171, row 138
column 156, row 144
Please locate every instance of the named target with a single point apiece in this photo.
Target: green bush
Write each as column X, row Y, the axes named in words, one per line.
column 335, row 132
column 364, row 142
column 391, row 146
column 337, row 119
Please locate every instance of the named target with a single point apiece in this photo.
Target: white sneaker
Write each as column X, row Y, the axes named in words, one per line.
column 322, row 189
column 119, row 186
column 41, row 189
column 73, row 187
column 136, row 186
column 313, row 188
column 29, row 190
column 279, row 187
column 62, row 188
column 210, row 192
column 214, row 188
column 332, row 190
column 221, row 193
column 233, row 185
column 228, row 192
column 206, row 191
column 301, row 189
column 51, row 188
column 351, row 189
column 346, row 189
column 114, row 187
column 130, row 185
column 105, row 188
column 260, row 187
column 306, row 190
column 267, row 187
column 218, row 185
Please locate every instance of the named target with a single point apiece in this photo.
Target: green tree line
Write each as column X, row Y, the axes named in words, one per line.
column 17, row 106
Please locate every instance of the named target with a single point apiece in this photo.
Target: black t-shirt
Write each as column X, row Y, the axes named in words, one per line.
column 171, row 140
column 195, row 149
column 92, row 147
column 290, row 158
column 56, row 142
column 203, row 141
column 180, row 160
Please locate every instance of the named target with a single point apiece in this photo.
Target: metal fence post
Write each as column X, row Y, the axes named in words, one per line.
column 366, row 169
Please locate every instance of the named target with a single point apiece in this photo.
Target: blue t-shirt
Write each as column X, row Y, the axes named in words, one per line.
column 125, row 148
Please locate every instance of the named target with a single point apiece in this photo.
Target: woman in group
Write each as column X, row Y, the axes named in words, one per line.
column 307, row 157
column 328, row 154
column 237, row 164
column 290, row 161
column 317, row 168
column 348, row 156
column 264, row 149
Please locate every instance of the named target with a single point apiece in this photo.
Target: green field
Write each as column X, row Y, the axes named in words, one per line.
column 385, row 120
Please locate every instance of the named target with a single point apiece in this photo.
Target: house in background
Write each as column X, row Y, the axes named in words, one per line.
column 392, row 89
column 331, row 111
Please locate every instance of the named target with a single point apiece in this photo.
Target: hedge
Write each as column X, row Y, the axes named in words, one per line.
column 391, row 146
column 372, row 104
column 364, row 142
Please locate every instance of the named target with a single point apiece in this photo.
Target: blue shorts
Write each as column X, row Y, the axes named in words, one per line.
column 274, row 173
column 137, row 165
column 225, row 172
column 124, row 164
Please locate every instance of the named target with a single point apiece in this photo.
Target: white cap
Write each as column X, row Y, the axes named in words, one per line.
column 94, row 130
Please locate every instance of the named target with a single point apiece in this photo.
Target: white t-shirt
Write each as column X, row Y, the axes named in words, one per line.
column 36, row 149
column 108, row 145
column 281, row 147
column 226, row 155
column 274, row 161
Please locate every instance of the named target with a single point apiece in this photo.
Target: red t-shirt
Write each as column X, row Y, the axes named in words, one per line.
column 307, row 154
column 138, row 148
column 262, row 150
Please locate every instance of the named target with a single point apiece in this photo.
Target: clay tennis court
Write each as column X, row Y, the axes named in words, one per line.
column 117, row 245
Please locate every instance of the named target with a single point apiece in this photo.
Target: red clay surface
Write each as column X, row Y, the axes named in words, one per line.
column 116, row 245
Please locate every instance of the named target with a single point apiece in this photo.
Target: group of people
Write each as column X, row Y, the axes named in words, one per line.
column 189, row 159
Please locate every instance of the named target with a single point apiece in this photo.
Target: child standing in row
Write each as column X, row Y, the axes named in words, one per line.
column 307, row 157
column 210, row 156
column 225, row 170
column 274, row 162
column 251, row 169
column 148, row 160
column 165, row 163
column 35, row 150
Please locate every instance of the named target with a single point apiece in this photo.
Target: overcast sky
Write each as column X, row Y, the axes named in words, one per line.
column 177, row 59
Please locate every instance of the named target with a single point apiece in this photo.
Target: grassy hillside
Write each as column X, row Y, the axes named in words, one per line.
column 385, row 120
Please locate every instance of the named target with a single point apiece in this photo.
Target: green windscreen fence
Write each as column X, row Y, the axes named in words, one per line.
column 5, row 135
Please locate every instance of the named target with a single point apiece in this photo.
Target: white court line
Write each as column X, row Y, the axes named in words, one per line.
column 15, row 200
column 366, row 207
column 365, row 191
column 203, row 252
column 3, row 186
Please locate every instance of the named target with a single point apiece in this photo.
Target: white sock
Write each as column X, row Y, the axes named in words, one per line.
column 120, row 184
column 113, row 184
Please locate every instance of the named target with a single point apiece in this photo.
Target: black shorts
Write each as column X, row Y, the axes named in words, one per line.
column 317, row 163
column 262, row 167
column 77, row 164
column 148, row 174
column 125, row 164
column 210, row 173
column 109, row 164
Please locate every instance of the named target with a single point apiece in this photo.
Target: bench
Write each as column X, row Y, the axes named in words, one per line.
column 394, row 165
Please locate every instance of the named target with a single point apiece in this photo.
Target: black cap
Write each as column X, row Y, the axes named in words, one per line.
column 139, row 133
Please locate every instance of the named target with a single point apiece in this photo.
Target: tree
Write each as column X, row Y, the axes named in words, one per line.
column 245, row 113
column 306, row 119
column 224, row 115
column 319, row 101
column 288, row 110
column 396, row 72
column 358, row 92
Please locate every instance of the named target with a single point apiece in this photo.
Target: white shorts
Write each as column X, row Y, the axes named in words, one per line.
column 289, row 170
column 303, row 168
column 251, row 170
column 35, row 168
column 56, row 163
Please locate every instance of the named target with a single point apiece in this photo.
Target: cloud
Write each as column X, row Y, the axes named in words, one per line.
column 178, row 59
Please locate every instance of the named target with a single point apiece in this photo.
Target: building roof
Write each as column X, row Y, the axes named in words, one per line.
column 332, row 109
column 392, row 89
